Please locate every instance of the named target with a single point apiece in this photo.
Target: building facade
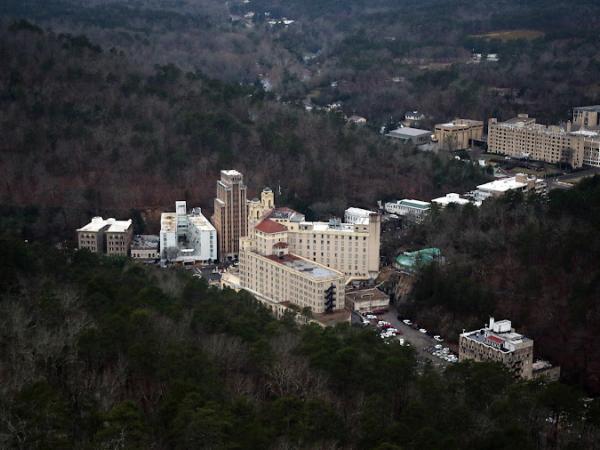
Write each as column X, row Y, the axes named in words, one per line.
column 499, row 342
column 230, row 213
column 145, row 247
column 279, row 278
column 187, row 238
column 350, row 247
column 519, row 183
column 577, row 143
column 109, row 236
column 414, row 136
column 411, row 209
column 458, row 134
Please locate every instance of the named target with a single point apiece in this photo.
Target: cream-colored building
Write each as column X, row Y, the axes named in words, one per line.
column 498, row 342
column 351, row 247
column 109, row 236
column 230, row 213
column 458, row 134
column 576, row 143
column 281, row 279
column 364, row 300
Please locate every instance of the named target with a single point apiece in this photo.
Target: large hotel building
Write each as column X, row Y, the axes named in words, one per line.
column 350, row 247
column 230, row 213
column 282, row 280
column 576, row 143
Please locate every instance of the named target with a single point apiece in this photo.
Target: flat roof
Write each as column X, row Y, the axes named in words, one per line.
column 408, row 131
column 199, row 221
column 502, row 185
column 485, row 336
column 450, row 198
column 460, row 123
column 112, row 225
column 592, row 108
column 306, row 267
column 414, row 203
column 328, row 226
column 367, row 295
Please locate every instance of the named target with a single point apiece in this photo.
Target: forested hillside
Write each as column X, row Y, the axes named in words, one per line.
column 531, row 260
column 97, row 352
column 383, row 57
column 86, row 131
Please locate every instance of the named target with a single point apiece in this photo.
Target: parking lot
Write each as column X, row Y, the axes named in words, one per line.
column 423, row 343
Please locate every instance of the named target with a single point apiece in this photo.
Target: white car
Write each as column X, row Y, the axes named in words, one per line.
column 422, row 330
column 438, row 338
column 371, row 317
column 407, row 322
column 438, row 346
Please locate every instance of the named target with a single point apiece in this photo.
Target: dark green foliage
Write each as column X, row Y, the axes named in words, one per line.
column 533, row 260
column 104, row 353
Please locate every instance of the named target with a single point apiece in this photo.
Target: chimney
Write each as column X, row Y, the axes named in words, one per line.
column 491, row 323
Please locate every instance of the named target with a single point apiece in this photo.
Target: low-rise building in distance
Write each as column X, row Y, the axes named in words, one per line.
column 364, row 300
column 414, row 136
column 408, row 208
column 458, row 134
column 450, row 199
column 145, row 247
column 187, row 238
column 109, row 236
column 520, row 183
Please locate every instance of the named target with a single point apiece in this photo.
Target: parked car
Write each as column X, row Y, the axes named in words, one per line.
column 407, row 322
column 438, row 338
column 422, row 330
column 438, row 346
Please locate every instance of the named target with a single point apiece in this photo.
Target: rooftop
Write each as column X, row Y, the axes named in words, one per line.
column 286, row 214
column 145, row 242
column 197, row 219
column 460, row 123
column 408, row 131
column 502, row 185
column 593, row 108
column 306, row 267
column 231, row 173
column 111, row 224
column 168, row 221
column 499, row 335
column 450, row 198
column 414, row 203
column 410, row 260
column 366, row 294
column 270, row 226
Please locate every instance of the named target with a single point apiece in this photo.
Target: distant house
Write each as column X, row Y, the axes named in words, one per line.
column 357, row 120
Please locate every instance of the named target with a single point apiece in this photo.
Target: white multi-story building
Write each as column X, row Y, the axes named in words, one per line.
column 187, row 238
column 412, row 209
column 449, row 199
column 282, row 280
column 357, row 216
column 519, row 183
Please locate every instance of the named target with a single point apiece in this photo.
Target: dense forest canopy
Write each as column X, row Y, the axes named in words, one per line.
column 88, row 132
column 100, row 352
column 386, row 56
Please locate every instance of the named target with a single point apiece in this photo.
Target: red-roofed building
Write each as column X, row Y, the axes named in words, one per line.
column 269, row 226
